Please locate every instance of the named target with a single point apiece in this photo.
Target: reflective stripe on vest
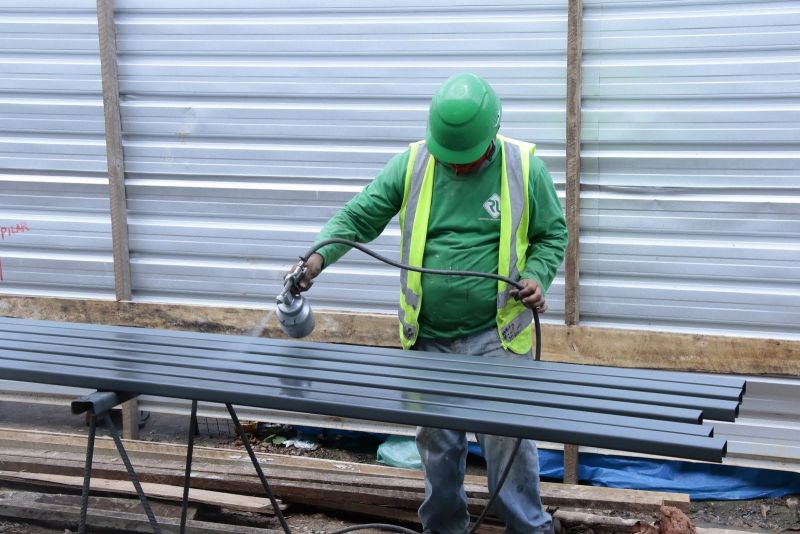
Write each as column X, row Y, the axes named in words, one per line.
column 420, row 165
column 513, row 319
column 516, row 190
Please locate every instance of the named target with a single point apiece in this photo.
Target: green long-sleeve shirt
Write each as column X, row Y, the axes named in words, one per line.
column 463, row 234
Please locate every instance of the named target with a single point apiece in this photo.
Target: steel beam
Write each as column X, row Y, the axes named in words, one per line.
column 719, row 402
column 99, row 402
column 630, row 410
column 400, row 410
column 119, row 361
column 528, row 392
column 234, row 343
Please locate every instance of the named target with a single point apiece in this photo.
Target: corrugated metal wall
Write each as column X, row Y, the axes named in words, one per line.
column 691, row 165
column 247, row 126
column 53, row 185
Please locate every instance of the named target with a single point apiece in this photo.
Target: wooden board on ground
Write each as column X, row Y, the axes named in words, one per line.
column 64, row 510
column 98, row 504
column 293, row 484
column 242, row 503
column 52, row 441
column 231, row 470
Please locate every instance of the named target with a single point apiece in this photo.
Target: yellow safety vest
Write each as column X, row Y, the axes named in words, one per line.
column 513, row 318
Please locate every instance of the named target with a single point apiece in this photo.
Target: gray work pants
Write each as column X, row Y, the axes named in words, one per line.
column 444, row 454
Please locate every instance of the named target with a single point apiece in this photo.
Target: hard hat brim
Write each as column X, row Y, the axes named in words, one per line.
column 458, row 157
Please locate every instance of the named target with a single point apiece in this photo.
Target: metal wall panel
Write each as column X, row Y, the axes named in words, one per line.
column 247, row 125
column 691, row 166
column 53, row 187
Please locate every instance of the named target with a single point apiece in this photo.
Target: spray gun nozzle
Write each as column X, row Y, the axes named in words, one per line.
column 293, row 310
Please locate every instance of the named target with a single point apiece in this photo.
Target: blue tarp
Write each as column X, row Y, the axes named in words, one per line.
column 701, row 481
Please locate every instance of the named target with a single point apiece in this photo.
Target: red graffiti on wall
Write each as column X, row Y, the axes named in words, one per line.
column 8, row 231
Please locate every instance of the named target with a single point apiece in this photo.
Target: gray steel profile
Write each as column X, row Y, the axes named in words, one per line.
column 510, row 373
column 124, row 360
column 308, row 378
column 263, row 365
column 99, row 402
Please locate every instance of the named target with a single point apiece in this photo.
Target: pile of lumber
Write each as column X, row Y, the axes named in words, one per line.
column 226, row 478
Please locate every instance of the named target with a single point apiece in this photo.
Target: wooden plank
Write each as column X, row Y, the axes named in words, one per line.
column 171, row 472
column 576, row 496
column 217, row 460
column 605, row 523
column 31, row 506
column 573, row 162
column 130, row 419
column 114, row 154
column 152, row 490
column 571, row 344
column 571, row 464
column 119, row 504
column 98, row 504
column 289, row 479
column 74, row 442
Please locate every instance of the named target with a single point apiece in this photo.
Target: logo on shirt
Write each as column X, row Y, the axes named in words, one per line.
column 492, row 206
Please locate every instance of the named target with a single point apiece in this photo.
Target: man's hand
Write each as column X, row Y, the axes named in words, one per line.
column 530, row 295
column 313, row 268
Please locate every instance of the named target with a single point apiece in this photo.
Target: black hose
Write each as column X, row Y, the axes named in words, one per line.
column 537, row 355
column 444, row 272
column 496, row 491
column 384, row 259
column 380, row 526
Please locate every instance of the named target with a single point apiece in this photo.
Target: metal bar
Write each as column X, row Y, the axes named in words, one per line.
column 87, row 473
column 327, row 368
column 237, row 343
column 188, row 474
column 573, row 162
column 505, row 367
column 401, row 409
column 667, row 376
column 114, row 155
column 431, row 395
column 99, row 402
column 257, row 465
column 131, row 473
column 498, row 398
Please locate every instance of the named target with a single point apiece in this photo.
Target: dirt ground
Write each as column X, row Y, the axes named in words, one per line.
column 762, row 515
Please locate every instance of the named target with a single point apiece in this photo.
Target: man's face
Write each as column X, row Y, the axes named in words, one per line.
column 466, row 168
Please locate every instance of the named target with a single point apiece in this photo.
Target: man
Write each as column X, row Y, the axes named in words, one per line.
column 469, row 199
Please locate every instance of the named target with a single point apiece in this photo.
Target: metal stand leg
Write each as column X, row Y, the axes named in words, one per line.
column 132, row 474
column 87, row 473
column 246, row 442
column 98, row 405
column 187, row 476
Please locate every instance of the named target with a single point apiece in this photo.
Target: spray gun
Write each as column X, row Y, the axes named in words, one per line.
column 294, row 311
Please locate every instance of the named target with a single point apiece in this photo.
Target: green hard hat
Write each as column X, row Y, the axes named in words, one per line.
column 464, row 118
